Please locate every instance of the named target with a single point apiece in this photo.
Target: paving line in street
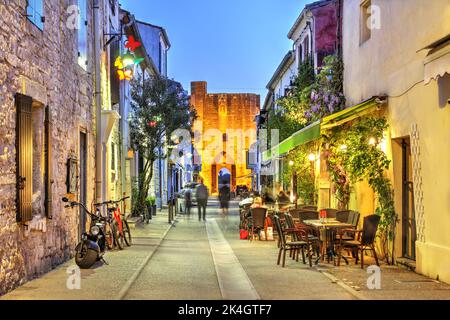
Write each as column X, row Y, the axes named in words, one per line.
column 233, row 280
column 124, row 291
column 346, row 287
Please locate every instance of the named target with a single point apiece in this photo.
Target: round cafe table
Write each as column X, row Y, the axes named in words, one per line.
column 327, row 229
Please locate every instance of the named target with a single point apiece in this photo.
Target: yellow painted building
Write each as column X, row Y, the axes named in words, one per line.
column 405, row 56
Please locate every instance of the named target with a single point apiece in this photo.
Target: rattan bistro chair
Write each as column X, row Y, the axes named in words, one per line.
column 350, row 217
column 331, row 213
column 364, row 241
column 303, row 233
column 292, row 246
column 258, row 218
column 308, row 215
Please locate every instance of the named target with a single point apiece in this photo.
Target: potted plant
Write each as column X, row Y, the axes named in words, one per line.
column 149, row 205
column 152, row 204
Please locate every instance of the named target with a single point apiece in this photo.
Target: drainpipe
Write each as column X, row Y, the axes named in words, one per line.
column 99, row 193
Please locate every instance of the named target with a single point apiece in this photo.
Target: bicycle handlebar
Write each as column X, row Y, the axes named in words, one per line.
column 93, row 216
column 110, row 202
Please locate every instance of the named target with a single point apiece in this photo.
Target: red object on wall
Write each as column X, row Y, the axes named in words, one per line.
column 326, row 26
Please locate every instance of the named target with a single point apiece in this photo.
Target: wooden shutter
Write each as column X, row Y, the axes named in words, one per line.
column 115, row 82
column 48, row 166
column 24, row 158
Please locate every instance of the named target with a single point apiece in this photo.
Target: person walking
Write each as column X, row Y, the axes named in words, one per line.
column 201, row 194
column 188, row 202
column 224, row 198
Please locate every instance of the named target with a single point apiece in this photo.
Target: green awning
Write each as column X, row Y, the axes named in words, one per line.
column 349, row 114
column 307, row 134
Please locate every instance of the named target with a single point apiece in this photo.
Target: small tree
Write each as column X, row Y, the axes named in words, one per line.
column 159, row 106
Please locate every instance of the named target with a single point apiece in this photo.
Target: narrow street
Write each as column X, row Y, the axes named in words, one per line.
column 196, row 260
column 184, row 266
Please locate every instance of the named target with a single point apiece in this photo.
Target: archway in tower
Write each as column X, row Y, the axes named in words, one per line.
column 224, row 178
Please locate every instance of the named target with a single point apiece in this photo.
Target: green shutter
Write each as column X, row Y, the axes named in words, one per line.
column 48, row 164
column 24, row 158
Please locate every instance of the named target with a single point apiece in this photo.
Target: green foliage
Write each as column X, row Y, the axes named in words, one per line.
column 151, row 200
column 307, row 191
column 159, row 106
column 326, row 95
column 289, row 117
column 354, row 154
column 311, row 98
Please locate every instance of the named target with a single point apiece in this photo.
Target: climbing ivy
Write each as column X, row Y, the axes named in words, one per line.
column 353, row 154
column 303, row 168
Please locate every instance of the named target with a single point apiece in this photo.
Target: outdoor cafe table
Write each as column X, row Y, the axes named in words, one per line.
column 328, row 228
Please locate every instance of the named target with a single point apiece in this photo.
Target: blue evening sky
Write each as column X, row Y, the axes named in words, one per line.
column 234, row 45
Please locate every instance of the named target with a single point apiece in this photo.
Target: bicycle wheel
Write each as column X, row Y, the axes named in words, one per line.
column 126, row 233
column 117, row 235
column 109, row 237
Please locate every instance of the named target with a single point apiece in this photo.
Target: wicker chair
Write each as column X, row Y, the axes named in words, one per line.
column 331, row 213
column 364, row 241
column 292, row 246
column 258, row 219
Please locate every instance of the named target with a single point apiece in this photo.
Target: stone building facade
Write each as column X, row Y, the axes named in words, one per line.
column 41, row 78
column 225, row 130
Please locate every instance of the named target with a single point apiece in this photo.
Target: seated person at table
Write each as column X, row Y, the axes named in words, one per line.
column 283, row 198
column 267, row 197
column 257, row 202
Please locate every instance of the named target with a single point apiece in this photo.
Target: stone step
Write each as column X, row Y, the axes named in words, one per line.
column 406, row 263
column 133, row 221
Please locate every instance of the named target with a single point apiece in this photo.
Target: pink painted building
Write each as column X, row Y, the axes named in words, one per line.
column 316, row 32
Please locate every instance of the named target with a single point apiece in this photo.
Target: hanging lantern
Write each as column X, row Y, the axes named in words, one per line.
column 126, row 63
column 128, row 60
column 132, row 44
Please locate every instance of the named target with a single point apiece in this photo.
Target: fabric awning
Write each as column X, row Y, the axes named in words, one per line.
column 305, row 135
column 349, row 114
column 437, row 62
column 313, row 131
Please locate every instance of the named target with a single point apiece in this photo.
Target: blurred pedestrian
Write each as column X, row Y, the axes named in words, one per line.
column 224, row 198
column 188, row 201
column 202, row 194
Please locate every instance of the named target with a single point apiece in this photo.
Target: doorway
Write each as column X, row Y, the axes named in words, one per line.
column 224, row 178
column 83, row 180
column 409, row 234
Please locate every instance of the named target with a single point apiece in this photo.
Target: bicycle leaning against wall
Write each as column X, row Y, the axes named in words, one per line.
column 120, row 222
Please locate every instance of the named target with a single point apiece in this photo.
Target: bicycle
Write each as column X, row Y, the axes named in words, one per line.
column 111, row 229
column 121, row 225
column 124, row 229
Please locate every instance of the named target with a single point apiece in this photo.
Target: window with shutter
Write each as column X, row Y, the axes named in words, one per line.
column 48, row 180
column 35, row 9
column 115, row 82
column 24, row 157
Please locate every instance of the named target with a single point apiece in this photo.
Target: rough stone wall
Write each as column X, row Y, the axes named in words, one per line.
column 226, row 112
column 43, row 65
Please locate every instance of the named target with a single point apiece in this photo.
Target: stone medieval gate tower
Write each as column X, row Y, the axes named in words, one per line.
column 225, row 130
